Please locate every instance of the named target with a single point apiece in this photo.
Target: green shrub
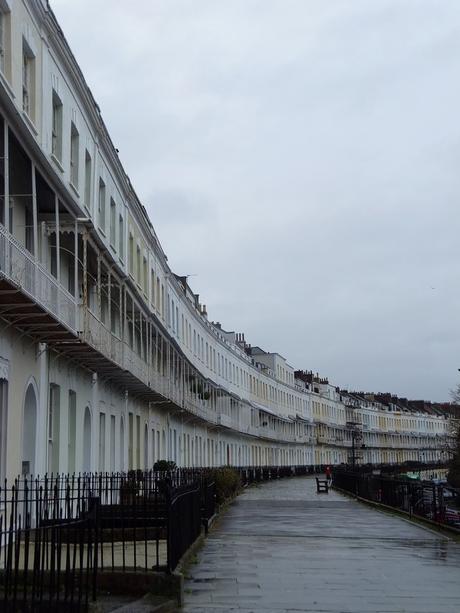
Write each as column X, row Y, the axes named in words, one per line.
column 453, row 476
column 164, row 465
column 227, row 482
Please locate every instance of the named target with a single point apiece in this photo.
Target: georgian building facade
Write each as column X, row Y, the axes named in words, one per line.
column 107, row 358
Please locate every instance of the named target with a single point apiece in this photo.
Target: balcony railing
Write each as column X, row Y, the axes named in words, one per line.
column 96, row 334
column 20, row 267
column 135, row 364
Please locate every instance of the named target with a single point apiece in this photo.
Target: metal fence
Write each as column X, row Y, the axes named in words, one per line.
column 256, row 474
column 58, row 532
column 48, row 546
column 436, row 502
column 183, row 522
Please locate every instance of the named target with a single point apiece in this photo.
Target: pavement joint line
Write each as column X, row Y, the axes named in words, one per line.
column 329, row 536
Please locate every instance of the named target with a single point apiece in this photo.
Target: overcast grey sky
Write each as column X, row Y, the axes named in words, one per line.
column 301, row 158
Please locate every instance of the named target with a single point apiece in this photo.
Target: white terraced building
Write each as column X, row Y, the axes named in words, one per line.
column 107, row 359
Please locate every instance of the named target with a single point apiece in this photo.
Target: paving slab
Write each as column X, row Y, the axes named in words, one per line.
column 283, row 547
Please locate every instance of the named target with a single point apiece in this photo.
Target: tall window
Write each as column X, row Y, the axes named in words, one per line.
column 101, row 204
column 112, row 442
column 130, row 439
column 56, row 134
column 29, row 230
column 113, row 217
column 131, row 254
column 138, row 439
column 121, row 237
column 72, row 430
column 88, row 175
column 53, row 428
column 4, row 41
column 74, row 153
column 28, row 80
column 145, row 279
column 102, row 442
column 138, row 264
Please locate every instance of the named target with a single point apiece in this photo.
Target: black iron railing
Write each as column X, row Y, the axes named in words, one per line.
column 58, row 532
column 184, row 523
column 256, row 474
column 436, row 502
column 48, row 547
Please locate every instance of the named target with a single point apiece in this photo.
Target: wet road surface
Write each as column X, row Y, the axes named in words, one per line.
column 282, row 547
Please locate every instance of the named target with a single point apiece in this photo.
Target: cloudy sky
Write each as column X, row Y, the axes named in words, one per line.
column 300, row 159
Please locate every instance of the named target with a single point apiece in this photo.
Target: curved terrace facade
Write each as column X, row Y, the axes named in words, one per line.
column 108, row 360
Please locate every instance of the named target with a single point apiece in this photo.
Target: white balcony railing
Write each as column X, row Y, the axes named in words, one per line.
column 135, row 364
column 20, row 267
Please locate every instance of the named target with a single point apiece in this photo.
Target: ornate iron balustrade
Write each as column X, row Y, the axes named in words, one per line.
column 22, row 270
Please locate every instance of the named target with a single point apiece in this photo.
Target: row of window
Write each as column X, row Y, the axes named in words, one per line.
column 138, row 265
column 138, row 269
column 79, row 178
column 116, row 221
column 223, row 367
column 29, row 108
column 321, row 409
column 236, row 375
column 285, row 375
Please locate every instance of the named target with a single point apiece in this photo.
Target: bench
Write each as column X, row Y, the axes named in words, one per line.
column 322, row 486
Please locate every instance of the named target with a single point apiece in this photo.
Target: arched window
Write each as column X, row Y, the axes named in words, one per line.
column 87, row 440
column 29, row 431
column 54, row 427
column 146, row 447
column 122, row 443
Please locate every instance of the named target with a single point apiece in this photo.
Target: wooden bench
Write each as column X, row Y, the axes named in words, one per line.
column 322, row 486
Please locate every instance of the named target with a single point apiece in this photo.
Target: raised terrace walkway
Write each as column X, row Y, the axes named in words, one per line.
column 282, row 547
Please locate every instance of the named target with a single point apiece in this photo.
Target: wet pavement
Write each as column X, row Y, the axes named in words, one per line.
column 282, row 547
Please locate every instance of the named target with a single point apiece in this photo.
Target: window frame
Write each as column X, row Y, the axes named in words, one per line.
column 88, row 179
column 113, row 224
column 121, row 237
column 74, row 155
column 28, row 80
column 101, row 217
column 56, row 126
